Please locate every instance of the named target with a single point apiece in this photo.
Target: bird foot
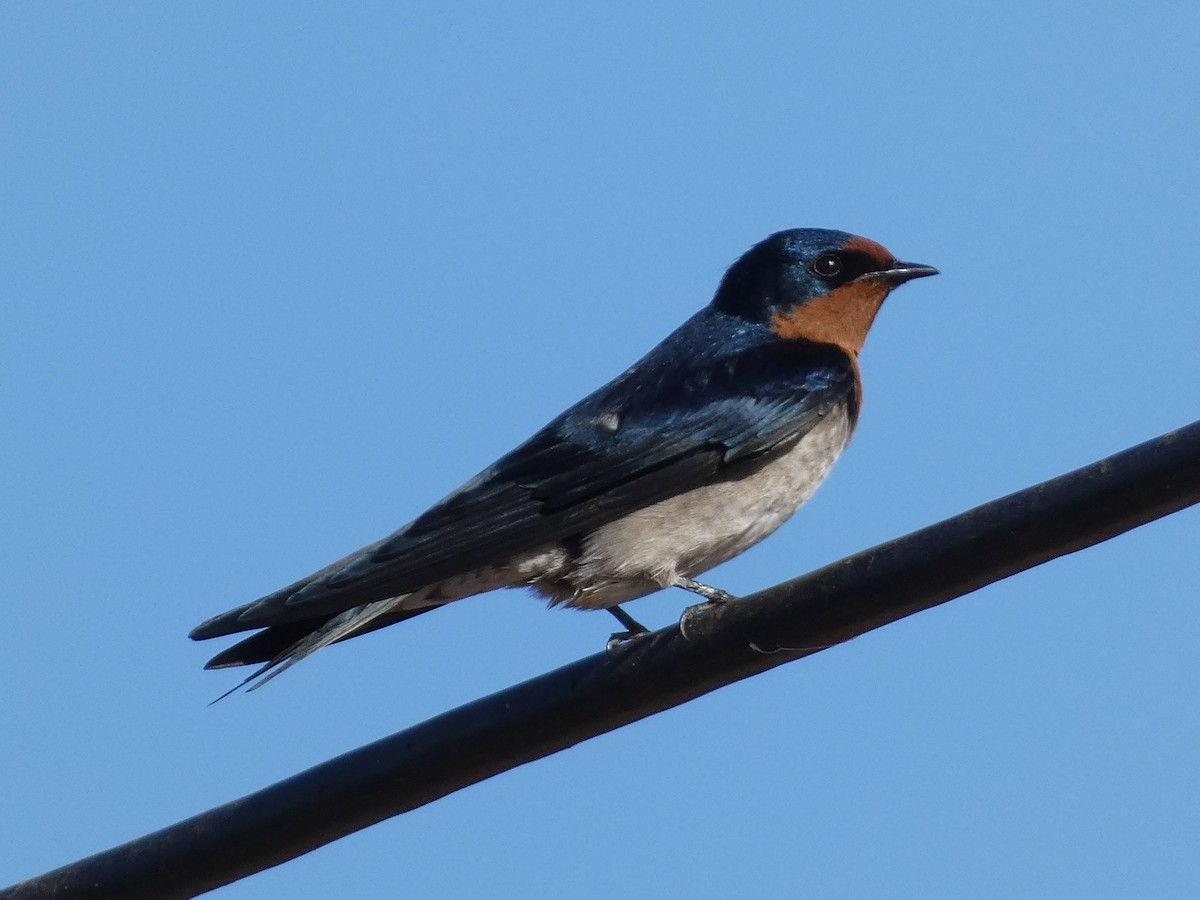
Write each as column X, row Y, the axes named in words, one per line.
column 712, row 597
column 708, row 592
column 633, row 629
column 692, row 615
column 617, row 638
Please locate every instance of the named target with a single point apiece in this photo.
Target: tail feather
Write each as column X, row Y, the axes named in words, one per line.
column 264, row 645
column 270, row 642
column 282, row 646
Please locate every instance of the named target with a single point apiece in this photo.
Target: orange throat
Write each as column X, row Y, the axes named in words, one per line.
column 841, row 318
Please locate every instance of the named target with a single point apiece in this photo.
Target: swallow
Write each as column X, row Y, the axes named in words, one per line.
column 695, row 453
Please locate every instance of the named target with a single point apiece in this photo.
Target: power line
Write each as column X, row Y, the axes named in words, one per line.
column 716, row 646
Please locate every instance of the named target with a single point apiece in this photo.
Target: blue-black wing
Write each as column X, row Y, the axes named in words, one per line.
column 676, row 420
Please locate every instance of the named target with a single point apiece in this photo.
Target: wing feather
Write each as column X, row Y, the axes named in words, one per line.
column 666, row 426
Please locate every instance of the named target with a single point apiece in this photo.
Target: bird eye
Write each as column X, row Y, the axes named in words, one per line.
column 827, row 265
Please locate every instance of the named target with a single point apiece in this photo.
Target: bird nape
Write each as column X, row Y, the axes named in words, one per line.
column 696, row 452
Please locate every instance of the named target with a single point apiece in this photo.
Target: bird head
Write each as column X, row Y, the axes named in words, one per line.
column 814, row 284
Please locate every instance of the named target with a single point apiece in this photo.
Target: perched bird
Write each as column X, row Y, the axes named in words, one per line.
column 695, row 453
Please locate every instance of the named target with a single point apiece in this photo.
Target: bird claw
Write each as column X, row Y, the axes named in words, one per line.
column 712, row 597
column 692, row 613
column 616, row 639
column 712, row 594
column 633, row 629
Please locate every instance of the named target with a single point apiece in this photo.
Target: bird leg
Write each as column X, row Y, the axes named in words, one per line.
column 712, row 597
column 633, row 628
column 709, row 593
column 631, row 624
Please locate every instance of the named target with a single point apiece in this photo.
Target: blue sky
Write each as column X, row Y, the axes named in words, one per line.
column 274, row 277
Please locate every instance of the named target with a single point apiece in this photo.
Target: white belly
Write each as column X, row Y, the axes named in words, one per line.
column 649, row 549
column 689, row 534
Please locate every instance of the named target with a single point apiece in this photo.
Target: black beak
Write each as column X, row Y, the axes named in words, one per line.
column 900, row 272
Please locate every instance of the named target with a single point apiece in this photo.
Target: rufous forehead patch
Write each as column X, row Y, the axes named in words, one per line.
column 878, row 252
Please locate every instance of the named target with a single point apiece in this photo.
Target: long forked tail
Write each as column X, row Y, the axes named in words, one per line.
column 280, row 647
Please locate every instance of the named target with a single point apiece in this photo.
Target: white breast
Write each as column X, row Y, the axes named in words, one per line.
column 691, row 533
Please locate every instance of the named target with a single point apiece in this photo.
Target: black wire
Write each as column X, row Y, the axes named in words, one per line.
column 720, row 644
